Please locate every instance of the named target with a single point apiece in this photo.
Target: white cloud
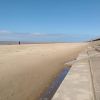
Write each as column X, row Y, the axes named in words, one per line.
column 8, row 35
column 5, row 32
column 53, row 35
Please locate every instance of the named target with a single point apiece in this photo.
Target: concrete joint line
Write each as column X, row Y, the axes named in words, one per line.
column 92, row 81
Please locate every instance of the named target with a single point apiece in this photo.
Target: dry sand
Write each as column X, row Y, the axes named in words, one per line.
column 27, row 70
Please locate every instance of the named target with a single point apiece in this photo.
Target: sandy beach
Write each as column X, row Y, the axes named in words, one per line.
column 26, row 71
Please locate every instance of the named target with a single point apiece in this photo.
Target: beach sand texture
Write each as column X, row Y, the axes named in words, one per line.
column 26, row 71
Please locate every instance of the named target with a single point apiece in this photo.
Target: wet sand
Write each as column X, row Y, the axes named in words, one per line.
column 26, row 71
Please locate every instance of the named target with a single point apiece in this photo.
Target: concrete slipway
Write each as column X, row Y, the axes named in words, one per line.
column 80, row 83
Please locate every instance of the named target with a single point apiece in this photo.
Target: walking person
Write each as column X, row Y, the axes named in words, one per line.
column 19, row 43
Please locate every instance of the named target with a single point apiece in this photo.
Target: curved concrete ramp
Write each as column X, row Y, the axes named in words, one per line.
column 78, row 84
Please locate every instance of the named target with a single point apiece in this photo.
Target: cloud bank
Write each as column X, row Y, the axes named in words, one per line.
column 4, row 32
column 43, row 37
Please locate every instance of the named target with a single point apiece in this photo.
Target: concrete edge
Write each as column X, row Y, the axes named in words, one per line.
column 80, row 67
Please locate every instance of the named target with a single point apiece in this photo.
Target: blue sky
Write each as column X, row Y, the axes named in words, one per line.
column 49, row 20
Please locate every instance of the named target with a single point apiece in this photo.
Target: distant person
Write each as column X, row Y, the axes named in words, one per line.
column 19, row 42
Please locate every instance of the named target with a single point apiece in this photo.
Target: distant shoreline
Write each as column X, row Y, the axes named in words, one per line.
column 17, row 42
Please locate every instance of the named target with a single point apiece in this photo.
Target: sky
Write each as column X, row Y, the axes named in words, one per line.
column 49, row 20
